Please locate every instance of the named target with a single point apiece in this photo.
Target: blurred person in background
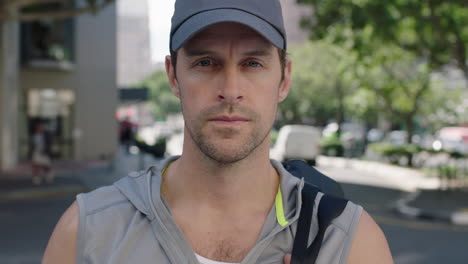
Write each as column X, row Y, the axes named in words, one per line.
column 41, row 160
column 127, row 132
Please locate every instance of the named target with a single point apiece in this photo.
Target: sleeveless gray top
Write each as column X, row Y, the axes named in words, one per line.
column 129, row 222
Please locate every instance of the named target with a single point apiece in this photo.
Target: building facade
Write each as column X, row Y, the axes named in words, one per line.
column 63, row 74
column 133, row 50
column 9, row 94
column 292, row 13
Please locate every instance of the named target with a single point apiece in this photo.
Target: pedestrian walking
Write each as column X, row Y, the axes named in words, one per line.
column 127, row 134
column 41, row 160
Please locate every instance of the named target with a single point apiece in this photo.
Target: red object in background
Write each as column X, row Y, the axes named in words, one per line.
column 455, row 133
column 124, row 113
column 130, row 112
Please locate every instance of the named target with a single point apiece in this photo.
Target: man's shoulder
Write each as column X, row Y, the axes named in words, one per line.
column 129, row 192
column 62, row 244
column 100, row 199
column 370, row 244
column 349, row 219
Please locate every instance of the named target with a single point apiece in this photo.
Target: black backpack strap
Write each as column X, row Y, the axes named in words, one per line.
column 299, row 252
column 329, row 208
column 300, row 169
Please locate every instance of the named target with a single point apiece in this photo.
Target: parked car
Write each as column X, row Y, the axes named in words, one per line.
column 398, row 138
column 453, row 139
column 348, row 129
column 375, row 135
column 352, row 137
column 297, row 142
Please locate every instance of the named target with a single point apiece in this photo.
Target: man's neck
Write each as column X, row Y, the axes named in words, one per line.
column 221, row 209
column 192, row 178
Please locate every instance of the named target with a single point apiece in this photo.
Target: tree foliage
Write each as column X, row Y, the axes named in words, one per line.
column 401, row 83
column 433, row 29
column 321, row 79
column 162, row 100
column 445, row 106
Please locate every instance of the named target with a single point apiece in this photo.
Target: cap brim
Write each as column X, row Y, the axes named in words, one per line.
column 200, row 21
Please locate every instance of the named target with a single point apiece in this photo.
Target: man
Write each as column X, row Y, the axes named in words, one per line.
column 222, row 200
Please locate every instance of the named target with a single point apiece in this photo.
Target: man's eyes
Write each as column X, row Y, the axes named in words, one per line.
column 210, row 62
column 253, row 64
column 205, row 63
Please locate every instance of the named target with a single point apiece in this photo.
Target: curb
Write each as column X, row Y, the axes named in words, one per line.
column 406, row 178
column 402, row 207
column 402, row 176
column 42, row 193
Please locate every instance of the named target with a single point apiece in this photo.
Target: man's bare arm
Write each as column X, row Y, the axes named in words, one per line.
column 369, row 244
column 62, row 244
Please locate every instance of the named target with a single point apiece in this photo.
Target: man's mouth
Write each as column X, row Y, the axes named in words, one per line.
column 229, row 119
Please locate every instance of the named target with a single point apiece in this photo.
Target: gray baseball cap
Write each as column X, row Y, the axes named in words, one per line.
column 192, row 16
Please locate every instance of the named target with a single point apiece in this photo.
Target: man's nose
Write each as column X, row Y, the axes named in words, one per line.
column 230, row 88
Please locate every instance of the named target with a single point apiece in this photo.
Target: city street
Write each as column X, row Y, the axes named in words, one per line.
column 26, row 226
column 411, row 241
column 374, row 94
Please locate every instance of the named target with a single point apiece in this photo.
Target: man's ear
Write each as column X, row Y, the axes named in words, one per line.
column 171, row 76
column 286, row 82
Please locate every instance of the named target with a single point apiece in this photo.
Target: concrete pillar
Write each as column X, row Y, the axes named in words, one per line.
column 96, row 85
column 9, row 94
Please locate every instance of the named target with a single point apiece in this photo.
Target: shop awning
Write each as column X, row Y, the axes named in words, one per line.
column 30, row 10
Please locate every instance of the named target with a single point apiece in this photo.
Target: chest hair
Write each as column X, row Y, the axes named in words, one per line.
column 225, row 242
column 223, row 250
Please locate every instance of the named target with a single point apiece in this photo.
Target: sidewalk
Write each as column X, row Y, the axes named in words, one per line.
column 70, row 178
column 23, row 189
column 424, row 200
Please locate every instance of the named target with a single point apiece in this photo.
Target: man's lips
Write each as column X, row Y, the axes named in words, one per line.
column 229, row 119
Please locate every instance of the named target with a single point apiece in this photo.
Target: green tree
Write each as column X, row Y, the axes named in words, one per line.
column 162, row 99
column 432, row 29
column 445, row 106
column 362, row 106
column 401, row 82
column 321, row 80
column 402, row 86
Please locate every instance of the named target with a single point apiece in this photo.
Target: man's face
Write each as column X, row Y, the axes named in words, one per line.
column 229, row 83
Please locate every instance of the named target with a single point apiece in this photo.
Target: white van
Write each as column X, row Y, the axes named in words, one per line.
column 297, row 142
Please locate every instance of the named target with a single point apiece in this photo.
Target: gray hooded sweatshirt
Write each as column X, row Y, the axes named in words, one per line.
column 129, row 222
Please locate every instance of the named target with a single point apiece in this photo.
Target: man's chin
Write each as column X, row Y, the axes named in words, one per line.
column 227, row 148
column 226, row 159
column 226, row 153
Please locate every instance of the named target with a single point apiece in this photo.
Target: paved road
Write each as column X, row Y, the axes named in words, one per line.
column 26, row 226
column 411, row 241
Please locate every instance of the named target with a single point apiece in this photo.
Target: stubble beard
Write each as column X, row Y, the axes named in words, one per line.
column 215, row 150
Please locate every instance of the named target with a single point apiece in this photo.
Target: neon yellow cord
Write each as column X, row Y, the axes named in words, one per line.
column 279, row 208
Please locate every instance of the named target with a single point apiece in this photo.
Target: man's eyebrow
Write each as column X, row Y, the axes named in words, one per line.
column 258, row 53
column 197, row 52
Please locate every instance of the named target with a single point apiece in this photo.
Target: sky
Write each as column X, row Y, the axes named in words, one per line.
column 160, row 26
